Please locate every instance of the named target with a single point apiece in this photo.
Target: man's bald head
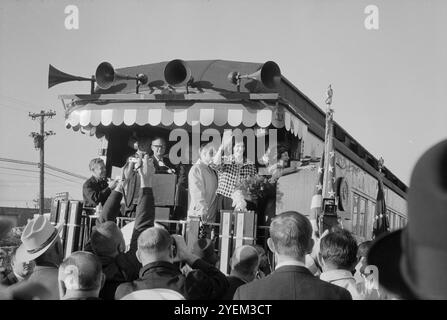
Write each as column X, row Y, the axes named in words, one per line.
column 81, row 271
column 154, row 243
column 245, row 260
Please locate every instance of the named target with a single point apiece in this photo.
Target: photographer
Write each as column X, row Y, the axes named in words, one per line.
column 96, row 189
column 157, row 252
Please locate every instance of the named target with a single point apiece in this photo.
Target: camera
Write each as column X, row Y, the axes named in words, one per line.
column 329, row 206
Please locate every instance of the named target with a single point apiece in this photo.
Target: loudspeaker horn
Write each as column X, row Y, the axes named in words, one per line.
column 106, row 76
column 269, row 75
column 177, row 73
column 56, row 76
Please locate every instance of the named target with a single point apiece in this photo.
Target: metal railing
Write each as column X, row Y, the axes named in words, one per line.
column 232, row 231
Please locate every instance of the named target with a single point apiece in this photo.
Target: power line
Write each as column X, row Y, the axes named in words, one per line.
column 29, row 176
column 17, row 169
column 19, row 100
column 46, row 166
column 13, row 200
column 65, row 172
column 21, row 175
column 72, row 181
column 19, row 161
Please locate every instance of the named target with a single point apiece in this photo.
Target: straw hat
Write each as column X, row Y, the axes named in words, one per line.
column 37, row 237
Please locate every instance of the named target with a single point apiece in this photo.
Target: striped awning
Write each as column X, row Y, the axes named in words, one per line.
column 87, row 115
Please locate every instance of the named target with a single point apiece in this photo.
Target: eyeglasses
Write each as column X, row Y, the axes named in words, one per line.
column 159, row 146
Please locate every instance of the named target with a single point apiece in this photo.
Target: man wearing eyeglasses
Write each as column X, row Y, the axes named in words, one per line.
column 163, row 165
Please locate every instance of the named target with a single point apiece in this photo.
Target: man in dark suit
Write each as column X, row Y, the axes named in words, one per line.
column 290, row 240
column 163, row 165
column 244, row 267
column 156, row 254
column 96, row 189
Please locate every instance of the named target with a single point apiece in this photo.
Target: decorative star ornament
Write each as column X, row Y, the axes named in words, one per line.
column 331, row 194
column 319, row 186
column 332, row 154
column 320, row 170
column 331, row 168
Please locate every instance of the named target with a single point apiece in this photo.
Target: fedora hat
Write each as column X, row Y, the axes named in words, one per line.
column 412, row 261
column 37, row 237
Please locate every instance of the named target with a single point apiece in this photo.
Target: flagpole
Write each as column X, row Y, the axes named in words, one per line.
column 381, row 224
column 328, row 127
column 327, row 157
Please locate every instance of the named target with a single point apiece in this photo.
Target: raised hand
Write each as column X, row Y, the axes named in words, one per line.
column 113, row 184
column 182, row 252
column 119, row 185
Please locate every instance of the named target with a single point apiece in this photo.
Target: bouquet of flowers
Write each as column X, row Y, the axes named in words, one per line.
column 251, row 189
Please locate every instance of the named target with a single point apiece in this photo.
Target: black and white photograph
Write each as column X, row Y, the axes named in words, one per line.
column 234, row 153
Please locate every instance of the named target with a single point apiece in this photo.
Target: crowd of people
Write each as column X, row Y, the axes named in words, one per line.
column 159, row 265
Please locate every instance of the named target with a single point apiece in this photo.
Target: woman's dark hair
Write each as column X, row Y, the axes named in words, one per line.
column 281, row 149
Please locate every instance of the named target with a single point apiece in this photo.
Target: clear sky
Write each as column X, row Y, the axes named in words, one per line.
column 389, row 84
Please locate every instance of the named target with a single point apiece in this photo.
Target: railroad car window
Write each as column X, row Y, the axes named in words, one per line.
column 354, row 213
column 394, row 221
column 371, row 214
column 293, row 143
column 391, row 219
column 362, row 217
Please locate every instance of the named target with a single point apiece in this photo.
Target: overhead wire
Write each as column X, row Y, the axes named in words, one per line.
column 46, row 166
column 36, row 171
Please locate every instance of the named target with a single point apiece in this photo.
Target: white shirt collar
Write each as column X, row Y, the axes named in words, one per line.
column 334, row 275
column 290, row 263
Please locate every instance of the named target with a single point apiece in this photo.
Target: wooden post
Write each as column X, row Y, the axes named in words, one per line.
column 245, row 228
column 192, row 232
column 226, row 239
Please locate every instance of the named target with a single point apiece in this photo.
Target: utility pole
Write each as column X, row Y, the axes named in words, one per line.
column 39, row 143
